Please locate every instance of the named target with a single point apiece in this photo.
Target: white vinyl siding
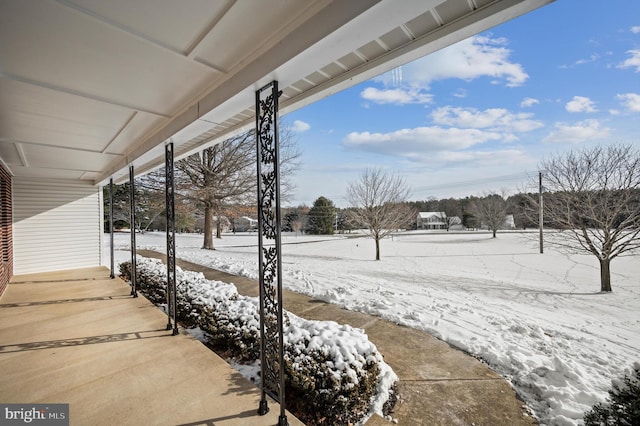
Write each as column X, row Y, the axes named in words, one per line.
column 56, row 225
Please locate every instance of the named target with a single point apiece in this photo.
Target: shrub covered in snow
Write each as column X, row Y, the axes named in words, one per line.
column 333, row 381
column 230, row 321
column 623, row 405
column 334, row 374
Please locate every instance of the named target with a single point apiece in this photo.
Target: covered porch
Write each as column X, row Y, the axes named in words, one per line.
column 95, row 93
column 78, row 336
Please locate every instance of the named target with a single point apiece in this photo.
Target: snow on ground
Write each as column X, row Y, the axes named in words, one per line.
column 539, row 320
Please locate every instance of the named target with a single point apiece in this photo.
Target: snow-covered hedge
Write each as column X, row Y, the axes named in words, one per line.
column 334, row 374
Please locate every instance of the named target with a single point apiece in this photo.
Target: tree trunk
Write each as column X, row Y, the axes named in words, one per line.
column 219, row 228
column 377, row 249
column 605, row 274
column 494, row 233
column 208, row 229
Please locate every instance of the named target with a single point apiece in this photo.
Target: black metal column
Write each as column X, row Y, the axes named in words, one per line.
column 269, row 248
column 541, row 213
column 172, row 307
column 113, row 263
column 132, row 202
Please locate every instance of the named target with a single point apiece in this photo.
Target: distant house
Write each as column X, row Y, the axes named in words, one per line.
column 225, row 224
column 509, row 223
column 244, row 224
column 431, row 220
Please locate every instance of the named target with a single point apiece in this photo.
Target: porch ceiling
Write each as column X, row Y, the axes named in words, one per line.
column 88, row 87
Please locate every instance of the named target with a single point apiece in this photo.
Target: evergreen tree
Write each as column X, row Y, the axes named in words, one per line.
column 622, row 406
column 149, row 205
column 322, row 217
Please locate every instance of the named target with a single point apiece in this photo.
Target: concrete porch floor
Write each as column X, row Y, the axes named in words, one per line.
column 78, row 337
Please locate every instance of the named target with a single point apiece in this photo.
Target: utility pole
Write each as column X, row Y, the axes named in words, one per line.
column 540, row 214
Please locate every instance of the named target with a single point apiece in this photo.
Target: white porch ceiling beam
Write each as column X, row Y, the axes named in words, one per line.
column 82, row 95
column 21, row 154
column 147, row 39
column 191, row 49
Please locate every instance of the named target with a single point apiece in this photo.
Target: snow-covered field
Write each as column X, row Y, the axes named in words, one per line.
column 539, row 320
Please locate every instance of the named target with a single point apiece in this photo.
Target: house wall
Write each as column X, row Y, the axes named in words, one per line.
column 431, row 221
column 56, row 225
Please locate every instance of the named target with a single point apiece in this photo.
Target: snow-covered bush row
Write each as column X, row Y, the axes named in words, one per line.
column 334, row 374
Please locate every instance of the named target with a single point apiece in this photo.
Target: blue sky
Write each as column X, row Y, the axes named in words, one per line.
column 479, row 115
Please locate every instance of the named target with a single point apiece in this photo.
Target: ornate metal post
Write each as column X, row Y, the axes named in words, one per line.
column 132, row 202
column 112, row 275
column 269, row 248
column 172, row 307
column 541, row 213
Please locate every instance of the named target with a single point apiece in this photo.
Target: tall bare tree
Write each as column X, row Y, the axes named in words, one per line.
column 595, row 197
column 378, row 198
column 491, row 211
column 225, row 174
column 149, row 204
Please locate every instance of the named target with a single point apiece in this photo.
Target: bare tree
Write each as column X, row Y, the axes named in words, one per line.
column 594, row 195
column 297, row 225
column 216, row 175
column 149, row 204
column 150, row 199
column 225, row 174
column 491, row 210
column 379, row 204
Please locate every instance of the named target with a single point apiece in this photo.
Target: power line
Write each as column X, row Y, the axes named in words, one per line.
column 475, row 182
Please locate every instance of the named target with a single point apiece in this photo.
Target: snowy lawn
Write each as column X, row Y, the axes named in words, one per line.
column 539, row 320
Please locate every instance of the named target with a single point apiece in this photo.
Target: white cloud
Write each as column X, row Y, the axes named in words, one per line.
column 630, row 101
column 398, row 96
column 633, row 61
column 580, row 104
column 528, row 102
column 419, row 142
column 485, row 158
column 577, row 132
column 460, row 93
column 594, row 57
column 300, row 126
column 469, row 59
column 494, row 119
column 636, row 29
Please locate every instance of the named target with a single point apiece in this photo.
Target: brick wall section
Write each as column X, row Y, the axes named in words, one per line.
column 6, row 234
